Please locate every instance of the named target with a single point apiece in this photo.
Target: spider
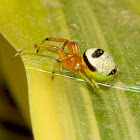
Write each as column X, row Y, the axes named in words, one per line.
column 95, row 65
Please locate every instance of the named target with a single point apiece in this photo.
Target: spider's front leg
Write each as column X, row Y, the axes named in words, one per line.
column 71, row 46
column 63, row 57
column 54, row 39
column 66, row 42
column 59, row 51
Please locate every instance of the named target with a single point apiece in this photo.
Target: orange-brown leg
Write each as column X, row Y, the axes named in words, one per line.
column 76, row 48
column 59, row 51
column 69, row 56
column 54, row 39
column 75, row 45
column 69, row 45
column 67, row 42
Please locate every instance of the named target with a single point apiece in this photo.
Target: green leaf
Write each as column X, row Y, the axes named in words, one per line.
column 66, row 107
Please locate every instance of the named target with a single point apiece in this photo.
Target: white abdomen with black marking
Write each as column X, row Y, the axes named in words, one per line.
column 99, row 61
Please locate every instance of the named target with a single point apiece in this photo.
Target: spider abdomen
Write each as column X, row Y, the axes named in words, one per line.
column 100, row 64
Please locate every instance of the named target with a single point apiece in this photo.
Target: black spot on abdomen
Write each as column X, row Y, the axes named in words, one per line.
column 113, row 72
column 97, row 53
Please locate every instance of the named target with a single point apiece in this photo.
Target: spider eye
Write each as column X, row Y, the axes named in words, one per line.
column 97, row 53
column 113, row 72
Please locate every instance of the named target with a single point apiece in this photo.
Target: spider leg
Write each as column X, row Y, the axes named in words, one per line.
column 54, row 69
column 53, row 74
column 69, row 56
column 59, row 51
column 63, row 59
column 54, row 39
column 61, row 66
column 92, row 82
column 66, row 43
column 69, row 46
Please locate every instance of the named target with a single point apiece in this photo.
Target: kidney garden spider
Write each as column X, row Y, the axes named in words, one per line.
column 94, row 65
